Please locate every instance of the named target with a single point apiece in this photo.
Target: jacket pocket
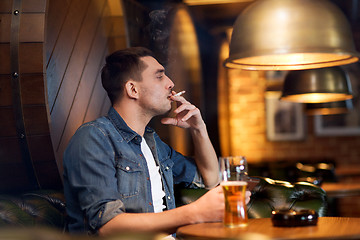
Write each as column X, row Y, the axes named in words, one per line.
column 129, row 176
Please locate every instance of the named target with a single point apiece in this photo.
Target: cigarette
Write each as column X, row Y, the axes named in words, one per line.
column 179, row 94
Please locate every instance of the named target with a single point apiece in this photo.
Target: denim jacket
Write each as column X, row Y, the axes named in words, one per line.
column 105, row 172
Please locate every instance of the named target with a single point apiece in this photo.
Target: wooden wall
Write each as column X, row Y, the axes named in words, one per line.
column 58, row 49
column 75, row 51
column 26, row 157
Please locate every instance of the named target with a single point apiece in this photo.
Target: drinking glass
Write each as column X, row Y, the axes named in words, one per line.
column 234, row 182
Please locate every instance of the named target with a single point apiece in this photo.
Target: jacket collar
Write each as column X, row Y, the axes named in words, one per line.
column 125, row 131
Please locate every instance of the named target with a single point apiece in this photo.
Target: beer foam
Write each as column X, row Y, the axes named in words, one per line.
column 233, row 183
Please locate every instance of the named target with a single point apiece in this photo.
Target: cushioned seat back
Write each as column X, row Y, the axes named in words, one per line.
column 47, row 208
column 37, row 208
column 271, row 195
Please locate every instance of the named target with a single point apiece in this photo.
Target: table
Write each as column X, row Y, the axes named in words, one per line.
column 262, row 228
column 341, row 189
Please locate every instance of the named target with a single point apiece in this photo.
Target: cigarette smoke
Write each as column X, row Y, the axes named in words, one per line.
column 159, row 32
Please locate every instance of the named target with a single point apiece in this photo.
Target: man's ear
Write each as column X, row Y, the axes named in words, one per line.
column 131, row 89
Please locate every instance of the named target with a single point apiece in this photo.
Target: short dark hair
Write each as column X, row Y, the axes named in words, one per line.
column 120, row 66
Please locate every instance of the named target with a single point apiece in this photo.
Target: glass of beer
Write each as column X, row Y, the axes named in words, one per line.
column 234, row 182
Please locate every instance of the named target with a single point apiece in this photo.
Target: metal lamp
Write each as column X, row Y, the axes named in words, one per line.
column 329, row 108
column 317, row 85
column 291, row 35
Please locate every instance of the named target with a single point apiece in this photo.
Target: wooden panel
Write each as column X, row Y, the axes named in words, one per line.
column 56, row 15
column 7, row 120
column 32, row 28
column 77, row 62
column 5, row 91
column 31, row 57
column 64, row 47
column 36, row 120
column 94, row 108
column 4, row 58
column 5, row 22
column 90, row 100
column 31, row 25
column 83, row 94
column 5, row 6
column 18, row 147
column 45, row 169
column 81, row 59
column 35, row 6
column 33, row 89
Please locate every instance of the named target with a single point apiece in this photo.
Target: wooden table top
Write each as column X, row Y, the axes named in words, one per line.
column 262, row 229
column 341, row 189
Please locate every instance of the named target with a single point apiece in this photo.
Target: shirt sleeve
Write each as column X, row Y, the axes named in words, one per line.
column 89, row 169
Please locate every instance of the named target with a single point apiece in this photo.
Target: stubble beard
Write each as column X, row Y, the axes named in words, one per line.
column 158, row 110
column 164, row 111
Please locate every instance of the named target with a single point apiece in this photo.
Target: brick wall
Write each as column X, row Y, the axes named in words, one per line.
column 247, row 134
column 247, row 131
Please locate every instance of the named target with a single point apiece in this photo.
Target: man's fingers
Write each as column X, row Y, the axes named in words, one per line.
column 184, row 107
column 169, row 121
column 179, row 99
column 189, row 114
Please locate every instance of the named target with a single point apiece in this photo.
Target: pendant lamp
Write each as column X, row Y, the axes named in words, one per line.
column 329, row 108
column 291, row 35
column 317, row 85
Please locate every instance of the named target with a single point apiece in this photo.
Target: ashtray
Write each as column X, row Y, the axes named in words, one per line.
column 292, row 218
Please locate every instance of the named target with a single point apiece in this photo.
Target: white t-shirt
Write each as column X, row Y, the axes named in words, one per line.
column 155, row 178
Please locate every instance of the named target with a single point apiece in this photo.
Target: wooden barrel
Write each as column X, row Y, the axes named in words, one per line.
column 51, row 54
column 26, row 157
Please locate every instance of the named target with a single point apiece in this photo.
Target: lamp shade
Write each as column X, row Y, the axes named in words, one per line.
column 329, row 108
column 291, row 35
column 317, row 85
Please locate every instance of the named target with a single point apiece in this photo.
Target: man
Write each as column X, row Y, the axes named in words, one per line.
column 119, row 175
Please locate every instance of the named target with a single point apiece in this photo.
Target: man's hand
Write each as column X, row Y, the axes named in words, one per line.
column 247, row 197
column 187, row 115
column 211, row 206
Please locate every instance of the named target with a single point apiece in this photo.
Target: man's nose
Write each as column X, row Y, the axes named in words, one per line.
column 171, row 83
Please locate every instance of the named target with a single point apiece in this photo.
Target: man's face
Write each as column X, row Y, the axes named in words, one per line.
column 154, row 88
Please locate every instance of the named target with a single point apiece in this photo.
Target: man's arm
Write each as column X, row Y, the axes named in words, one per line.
column 205, row 157
column 208, row 208
column 189, row 116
